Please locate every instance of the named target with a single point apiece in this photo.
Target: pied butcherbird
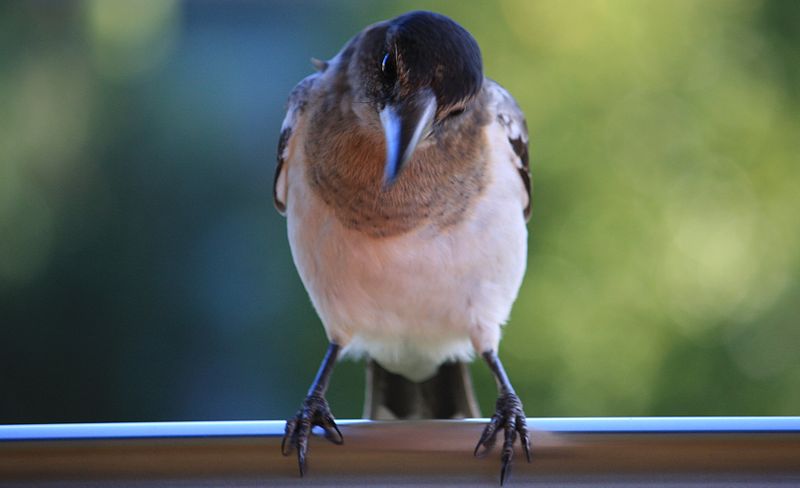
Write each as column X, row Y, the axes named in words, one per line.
column 403, row 175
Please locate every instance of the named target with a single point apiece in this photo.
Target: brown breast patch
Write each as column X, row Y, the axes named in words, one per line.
column 438, row 186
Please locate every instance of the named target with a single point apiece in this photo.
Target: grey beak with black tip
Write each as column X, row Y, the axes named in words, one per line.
column 404, row 124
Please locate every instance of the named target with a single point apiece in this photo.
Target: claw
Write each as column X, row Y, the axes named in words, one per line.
column 301, row 461
column 488, row 437
column 329, row 425
column 302, row 444
column 525, row 440
column 510, row 435
column 288, row 433
column 314, row 411
column 505, row 470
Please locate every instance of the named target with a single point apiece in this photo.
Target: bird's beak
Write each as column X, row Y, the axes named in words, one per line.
column 404, row 124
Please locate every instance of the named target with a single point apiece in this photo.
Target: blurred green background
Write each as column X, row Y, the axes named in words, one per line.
column 144, row 274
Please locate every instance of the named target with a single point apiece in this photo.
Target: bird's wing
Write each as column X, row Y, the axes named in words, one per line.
column 294, row 109
column 511, row 118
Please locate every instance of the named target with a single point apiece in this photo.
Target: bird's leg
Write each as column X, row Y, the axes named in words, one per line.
column 508, row 417
column 313, row 411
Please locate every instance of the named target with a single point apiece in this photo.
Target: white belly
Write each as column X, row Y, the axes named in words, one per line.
column 416, row 300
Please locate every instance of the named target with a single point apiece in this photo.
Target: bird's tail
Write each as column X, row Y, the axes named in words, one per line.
column 447, row 395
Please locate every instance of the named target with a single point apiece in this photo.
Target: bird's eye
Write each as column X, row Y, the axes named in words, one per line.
column 388, row 68
column 456, row 112
column 383, row 63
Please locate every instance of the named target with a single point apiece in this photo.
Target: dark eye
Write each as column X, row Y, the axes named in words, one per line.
column 388, row 68
column 456, row 112
column 383, row 63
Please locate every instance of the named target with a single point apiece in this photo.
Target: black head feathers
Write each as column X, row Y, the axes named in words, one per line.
column 419, row 51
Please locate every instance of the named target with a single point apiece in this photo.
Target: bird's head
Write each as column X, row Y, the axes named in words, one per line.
column 415, row 72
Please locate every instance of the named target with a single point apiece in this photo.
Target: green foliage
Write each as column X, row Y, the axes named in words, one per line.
column 144, row 276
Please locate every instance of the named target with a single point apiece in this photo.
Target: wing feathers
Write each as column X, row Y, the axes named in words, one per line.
column 511, row 118
column 295, row 107
column 279, row 183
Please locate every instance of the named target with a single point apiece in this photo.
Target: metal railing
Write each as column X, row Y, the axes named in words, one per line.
column 698, row 451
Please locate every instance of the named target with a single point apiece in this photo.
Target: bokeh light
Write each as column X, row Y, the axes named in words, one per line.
column 145, row 276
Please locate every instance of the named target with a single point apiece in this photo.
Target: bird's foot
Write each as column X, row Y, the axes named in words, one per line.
column 314, row 411
column 509, row 418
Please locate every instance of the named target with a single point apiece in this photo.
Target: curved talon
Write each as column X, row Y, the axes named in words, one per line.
column 505, row 470
column 303, row 432
column 314, row 411
column 329, row 425
column 487, row 437
column 510, row 435
column 288, row 433
column 522, row 429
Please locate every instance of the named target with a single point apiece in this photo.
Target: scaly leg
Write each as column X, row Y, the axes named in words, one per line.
column 507, row 417
column 313, row 411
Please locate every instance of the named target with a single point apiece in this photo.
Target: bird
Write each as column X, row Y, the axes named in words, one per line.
column 403, row 174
